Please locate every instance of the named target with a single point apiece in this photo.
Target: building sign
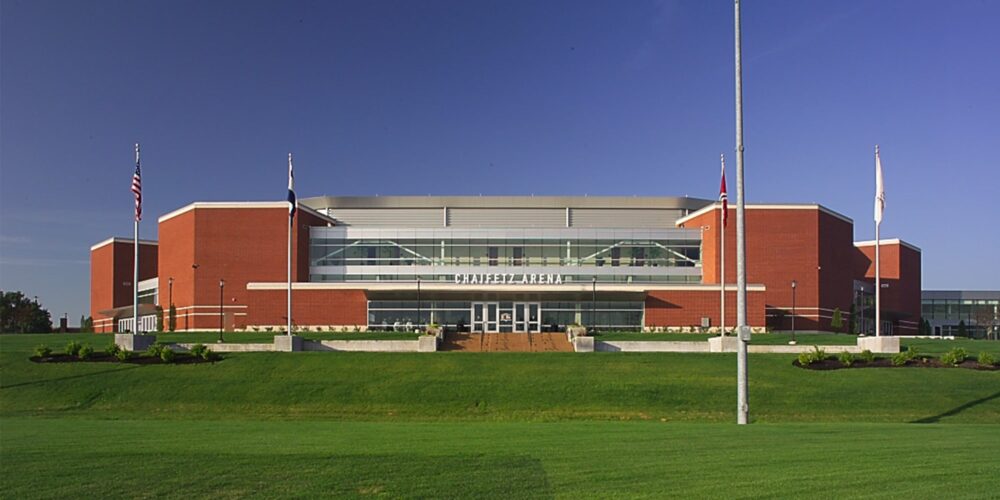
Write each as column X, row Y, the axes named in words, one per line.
column 508, row 279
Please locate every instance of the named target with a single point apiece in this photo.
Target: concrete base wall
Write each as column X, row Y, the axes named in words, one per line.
column 885, row 345
column 723, row 344
column 287, row 343
column 427, row 343
column 583, row 344
column 134, row 343
column 185, row 346
column 365, row 345
column 650, row 346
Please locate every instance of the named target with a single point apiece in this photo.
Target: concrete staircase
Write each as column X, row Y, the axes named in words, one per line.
column 506, row 342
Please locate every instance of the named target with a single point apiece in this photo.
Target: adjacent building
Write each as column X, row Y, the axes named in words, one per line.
column 503, row 264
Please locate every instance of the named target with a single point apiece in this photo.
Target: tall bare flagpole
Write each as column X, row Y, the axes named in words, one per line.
column 743, row 331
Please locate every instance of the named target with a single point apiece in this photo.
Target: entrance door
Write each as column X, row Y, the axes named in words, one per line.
column 485, row 317
column 526, row 317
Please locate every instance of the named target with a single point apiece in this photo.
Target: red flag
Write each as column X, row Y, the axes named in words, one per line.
column 722, row 194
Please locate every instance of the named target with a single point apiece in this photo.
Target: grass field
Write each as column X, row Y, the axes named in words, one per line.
column 491, row 425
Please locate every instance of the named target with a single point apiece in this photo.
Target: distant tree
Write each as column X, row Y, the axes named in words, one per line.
column 159, row 318
column 962, row 331
column 19, row 314
column 172, row 319
column 986, row 319
column 837, row 321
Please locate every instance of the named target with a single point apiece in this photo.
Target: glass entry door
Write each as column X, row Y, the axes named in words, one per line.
column 526, row 317
column 485, row 317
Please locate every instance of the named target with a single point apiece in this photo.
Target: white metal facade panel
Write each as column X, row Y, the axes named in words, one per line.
column 506, row 217
column 387, row 217
column 624, row 218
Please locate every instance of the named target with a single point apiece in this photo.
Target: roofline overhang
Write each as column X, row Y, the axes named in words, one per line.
column 766, row 206
column 201, row 205
column 121, row 239
column 891, row 241
column 452, row 287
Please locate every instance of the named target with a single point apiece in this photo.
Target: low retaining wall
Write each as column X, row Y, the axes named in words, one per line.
column 649, row 346
column 362, row 345
column 230, row 347
column 800, row 348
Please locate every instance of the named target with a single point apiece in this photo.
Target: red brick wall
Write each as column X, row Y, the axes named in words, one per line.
column 687, row 307
column 309, row 307
column 111, row 278
column 900, row 270
column 237, row 244
column 807, row 245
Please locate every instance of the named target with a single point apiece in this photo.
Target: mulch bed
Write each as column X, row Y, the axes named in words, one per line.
column 136, row 359
column 833, row 364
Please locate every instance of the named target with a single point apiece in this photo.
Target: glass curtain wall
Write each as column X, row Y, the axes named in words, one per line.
column 669, row 256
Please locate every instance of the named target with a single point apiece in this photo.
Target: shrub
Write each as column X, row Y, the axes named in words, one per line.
column 901, row 358
column 123, row 355
column 867, row 356
column 73, row 348
column 198, row 350
column 210, row 355
column 167, row 355
column 985, row 359
column 85, row 352
column 112, row 350
column 43, row 351
column 814, row 356
column 155, row 350
column 846, row 358
column 954, row 357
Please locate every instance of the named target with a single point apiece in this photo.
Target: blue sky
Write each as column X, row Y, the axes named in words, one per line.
column 470, row 97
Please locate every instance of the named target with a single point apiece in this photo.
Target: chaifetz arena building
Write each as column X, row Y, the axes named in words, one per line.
column 501, row 264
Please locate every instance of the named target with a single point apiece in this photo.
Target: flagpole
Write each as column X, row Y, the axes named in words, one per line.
column 742, row 330
column 722, row 265
column 135, row 262
column 291, row 218
column 878, row 223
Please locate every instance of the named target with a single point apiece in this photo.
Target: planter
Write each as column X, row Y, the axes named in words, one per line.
column 576, row 331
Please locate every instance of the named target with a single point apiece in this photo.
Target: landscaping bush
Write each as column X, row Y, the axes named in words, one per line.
column 867, row 356
column 954, row 357
column 167, row 355
column 85, row 352
column 43, row 351
column 198, row 350
column 814, row 356
column 123, row 355
column 846, row 358
column 155, row 350
column 112, row 350
column 987, row 359
column 901, row 358
column 73, row 348
column 210, row 355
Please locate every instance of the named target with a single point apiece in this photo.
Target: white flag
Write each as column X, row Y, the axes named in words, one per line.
column 879, row 189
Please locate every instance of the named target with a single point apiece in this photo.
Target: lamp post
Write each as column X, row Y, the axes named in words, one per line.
column 593, row 302
column 194, row 295
column 222, row 286
column 794, row 284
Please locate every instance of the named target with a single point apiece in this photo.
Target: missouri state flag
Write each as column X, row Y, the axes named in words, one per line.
column 723, row 197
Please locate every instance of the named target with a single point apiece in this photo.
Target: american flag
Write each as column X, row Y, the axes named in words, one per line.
column 723, row 197
column 137, row 186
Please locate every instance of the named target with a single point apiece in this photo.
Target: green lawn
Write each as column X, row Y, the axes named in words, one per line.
column 489, row 425
column 85, row 458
